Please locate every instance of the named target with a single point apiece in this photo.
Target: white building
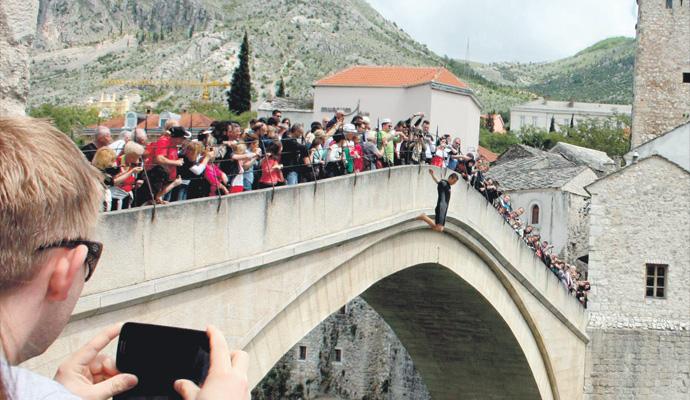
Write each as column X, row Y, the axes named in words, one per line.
column 399, row 92
column 538, row 113
column 673, row 145
column 551, row 190
column 297, row 110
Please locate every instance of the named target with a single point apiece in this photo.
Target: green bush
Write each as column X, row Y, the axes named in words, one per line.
column 69, row 119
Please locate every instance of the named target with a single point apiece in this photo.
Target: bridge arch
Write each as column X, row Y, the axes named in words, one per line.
column 456, row 315
column 267, row 266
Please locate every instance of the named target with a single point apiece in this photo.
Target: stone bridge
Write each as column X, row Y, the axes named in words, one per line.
column 480, row 315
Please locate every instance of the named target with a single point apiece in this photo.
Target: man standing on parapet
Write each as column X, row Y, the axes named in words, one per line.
column 443, row 187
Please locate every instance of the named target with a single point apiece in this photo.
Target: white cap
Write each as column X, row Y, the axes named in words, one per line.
column 349, row 128
column 366, row 119
column 385, row 121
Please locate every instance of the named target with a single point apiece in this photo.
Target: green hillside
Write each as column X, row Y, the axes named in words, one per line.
column 600, row 73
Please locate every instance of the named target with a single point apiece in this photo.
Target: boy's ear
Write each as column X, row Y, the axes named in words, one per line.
column 62, row 268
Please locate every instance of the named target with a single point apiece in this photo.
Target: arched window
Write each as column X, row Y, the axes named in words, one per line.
column 535, row 215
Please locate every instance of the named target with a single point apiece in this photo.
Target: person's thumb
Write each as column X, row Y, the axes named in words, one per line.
column 187, row 389
column 117, row 384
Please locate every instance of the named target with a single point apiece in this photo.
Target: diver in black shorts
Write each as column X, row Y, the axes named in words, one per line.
column 443, row 187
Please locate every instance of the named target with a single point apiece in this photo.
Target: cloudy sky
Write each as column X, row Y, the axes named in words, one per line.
column 511, row 30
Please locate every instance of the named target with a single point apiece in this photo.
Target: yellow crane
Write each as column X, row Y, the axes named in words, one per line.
column 204, row 84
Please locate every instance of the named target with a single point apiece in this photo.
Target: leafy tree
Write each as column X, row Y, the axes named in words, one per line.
column 540, row 138
column 496, row 142
column 239, row 98
column 611, row 135
column 219, row 112
column 68, row 119
column 280, row 92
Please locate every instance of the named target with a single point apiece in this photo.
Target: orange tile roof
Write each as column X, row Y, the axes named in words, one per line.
column 114, row 123
column 198, row 121
column 388, row 76
column 487, row 154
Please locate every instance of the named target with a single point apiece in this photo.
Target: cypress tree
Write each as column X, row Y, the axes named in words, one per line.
column 239, row 97
column 490, row 121
column 552, row 128
column 281, row 88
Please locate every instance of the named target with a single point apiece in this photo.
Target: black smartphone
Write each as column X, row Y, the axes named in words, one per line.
column 158, row 356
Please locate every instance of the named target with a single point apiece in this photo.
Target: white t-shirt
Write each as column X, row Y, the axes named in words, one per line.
column 22, row 384
column 334, row 153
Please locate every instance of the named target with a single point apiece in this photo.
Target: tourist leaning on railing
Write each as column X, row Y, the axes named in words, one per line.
column 270, row 154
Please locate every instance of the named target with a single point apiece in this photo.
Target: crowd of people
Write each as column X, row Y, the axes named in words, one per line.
column 271, row 152
column 568, row 274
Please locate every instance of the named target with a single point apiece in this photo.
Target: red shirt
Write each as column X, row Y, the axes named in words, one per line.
column 163, row 147
column 269, row 175
column 128, row 184
column 359, row 162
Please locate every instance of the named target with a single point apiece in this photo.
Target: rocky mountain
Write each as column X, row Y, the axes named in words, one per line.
column 83, row 43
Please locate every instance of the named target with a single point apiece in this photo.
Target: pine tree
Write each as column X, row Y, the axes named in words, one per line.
column 552, row 128
column 239, row 97
column 281, row 88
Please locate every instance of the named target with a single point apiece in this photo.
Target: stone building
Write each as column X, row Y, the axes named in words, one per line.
column 550, row 188
column 662, row 68
column 639, row 268
column 353, row 354
column 17, row 31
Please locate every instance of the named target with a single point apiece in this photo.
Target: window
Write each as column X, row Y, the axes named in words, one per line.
column 303, row 353
column 535, row 121
column 669, row 3
column 656, row 280
column 686, row 77
column 338, row 355
column 523, row 121
column 535, row 215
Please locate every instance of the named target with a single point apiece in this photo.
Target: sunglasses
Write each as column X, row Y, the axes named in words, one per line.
column 92, row 256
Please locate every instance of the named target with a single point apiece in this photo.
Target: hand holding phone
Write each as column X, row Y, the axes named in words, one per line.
column 227, row 374
column 174, row 363
column 91, row 375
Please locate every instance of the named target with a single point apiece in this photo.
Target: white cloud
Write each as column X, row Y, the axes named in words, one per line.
column 511, row 30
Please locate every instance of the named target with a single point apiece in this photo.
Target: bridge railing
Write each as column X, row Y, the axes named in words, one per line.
column 248, row 230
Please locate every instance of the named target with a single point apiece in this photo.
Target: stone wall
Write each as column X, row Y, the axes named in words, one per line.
column 662, row 100
column 638, row 364
column 17, row 30
column 639, row 347
column 374, row 364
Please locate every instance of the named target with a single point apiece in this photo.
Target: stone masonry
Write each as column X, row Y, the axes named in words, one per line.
column 373, row 365
column 640, row 345
column 662, row 100
column 17, row 31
